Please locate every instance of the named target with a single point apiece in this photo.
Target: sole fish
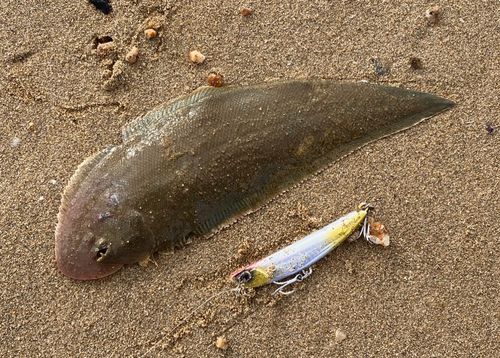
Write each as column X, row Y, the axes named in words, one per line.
column 192, row 164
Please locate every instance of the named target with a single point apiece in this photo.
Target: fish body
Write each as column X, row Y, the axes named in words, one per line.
column 301, row 254
column 190, row 165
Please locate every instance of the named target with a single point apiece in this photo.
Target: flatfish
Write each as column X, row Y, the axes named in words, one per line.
column 197, row 162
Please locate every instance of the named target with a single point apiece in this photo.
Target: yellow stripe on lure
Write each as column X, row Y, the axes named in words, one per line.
column 302, row 254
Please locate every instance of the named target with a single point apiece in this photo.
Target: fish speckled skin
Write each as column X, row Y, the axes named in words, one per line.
column 192, row 164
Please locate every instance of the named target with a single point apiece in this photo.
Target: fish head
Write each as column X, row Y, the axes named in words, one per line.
column 98, row 230
column 93, row 243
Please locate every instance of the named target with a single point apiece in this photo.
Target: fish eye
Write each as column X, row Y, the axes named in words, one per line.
column 245, row 277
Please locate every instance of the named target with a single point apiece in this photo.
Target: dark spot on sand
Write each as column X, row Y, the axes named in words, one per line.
column 22, row 56
column 102, row 5
column 415, row 63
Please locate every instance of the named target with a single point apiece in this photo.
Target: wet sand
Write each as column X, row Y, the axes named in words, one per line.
column 432, row 293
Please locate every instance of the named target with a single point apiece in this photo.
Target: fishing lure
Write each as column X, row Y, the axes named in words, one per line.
column 189, row 166
column 294, row 258
column 300, row 255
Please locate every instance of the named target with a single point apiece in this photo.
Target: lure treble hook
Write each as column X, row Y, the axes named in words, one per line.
column 298, row 278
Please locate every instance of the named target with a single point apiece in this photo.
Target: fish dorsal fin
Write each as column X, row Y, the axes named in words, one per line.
column 158, row 117
column 80, row 175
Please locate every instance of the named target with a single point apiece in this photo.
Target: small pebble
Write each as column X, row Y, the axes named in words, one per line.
column 432, row 15
column 150, row 33
column 214, row 79
column 31, row 125
column 53, row 182
column 245, row 11
column 40, row 198
column 15, row 141
column 381, row 66
column 489, row 128
column 339, row 336
column 105, row 48
column 196, row 57
column 221, row 343
column 131, row 56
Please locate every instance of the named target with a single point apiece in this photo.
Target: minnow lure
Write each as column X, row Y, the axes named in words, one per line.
column 292, row 259
column 193, row 164
column 300, row 255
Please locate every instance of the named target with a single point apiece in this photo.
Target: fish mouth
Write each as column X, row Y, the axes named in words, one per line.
column 81, row 263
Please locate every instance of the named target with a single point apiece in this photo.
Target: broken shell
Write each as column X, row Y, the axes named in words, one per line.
column 378, row 234
column 196, row 57
column 221, row 343
column 131, row 56
column 214, row 79
column 339, row 336
column 150, row 33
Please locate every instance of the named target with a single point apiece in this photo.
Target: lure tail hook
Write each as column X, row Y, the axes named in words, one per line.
column 298, row 278
column 365, row 229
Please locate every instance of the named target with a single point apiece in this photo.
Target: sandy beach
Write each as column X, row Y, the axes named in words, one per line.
column 434, row 292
